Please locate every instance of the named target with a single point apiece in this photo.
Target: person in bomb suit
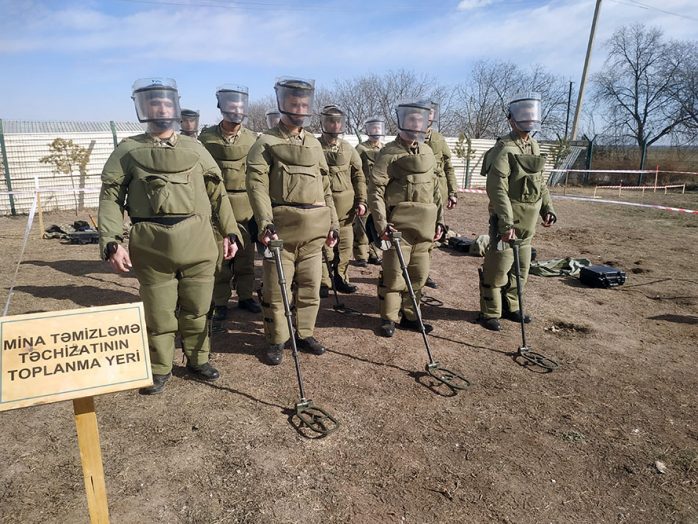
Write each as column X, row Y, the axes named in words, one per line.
column 229, row 142
column 444, row 169
column 172, row 189
column 189, row 123
column 518, row 196
column 289, row 188
column 272, row 117
column 348, row 186
column 404, row 196
column 366, row 252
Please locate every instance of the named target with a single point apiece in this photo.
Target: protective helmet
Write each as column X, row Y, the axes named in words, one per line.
column 233, row 102
column 272, row 117
column 157, row 102
column 332, row 120
column 413, row 119
column 375, row 127
column 525, row 112
column 294, row 98
column 189, row 123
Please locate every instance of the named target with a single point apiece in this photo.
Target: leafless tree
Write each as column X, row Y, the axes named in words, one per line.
column 686, row 91
column 256, row 119
column 638, row 86
column 480, row 107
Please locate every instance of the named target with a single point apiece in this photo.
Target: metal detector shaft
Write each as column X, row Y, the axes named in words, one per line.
column 276, row 246
column 519, row 291
column 397, row 240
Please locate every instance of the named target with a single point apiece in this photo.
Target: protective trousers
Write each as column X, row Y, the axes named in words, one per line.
column 392, row 289
column 498, row 277
column 343, row 252
column 303, row 232
column 174, row 266
column 362, row 247
column 240, row 269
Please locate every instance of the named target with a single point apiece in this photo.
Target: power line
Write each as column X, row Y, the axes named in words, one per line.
column 635, row 3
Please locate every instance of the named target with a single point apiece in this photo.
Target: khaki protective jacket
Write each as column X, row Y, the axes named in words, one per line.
column 442, row 153
column 148, row 177
column 347, row 179
column 286, row 170
column 403, row 190
column 515, row 176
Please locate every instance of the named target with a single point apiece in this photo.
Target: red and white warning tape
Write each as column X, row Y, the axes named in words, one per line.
column 633, row 204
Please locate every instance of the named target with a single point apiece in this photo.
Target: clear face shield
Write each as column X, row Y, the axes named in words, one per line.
column 294, row 98
column 434, row 115
column 525, row 113
column 375, row 128
column 332, row 121
column 233, row 102
column 413, row 121
column 272, row 117
column 157, row 103
column 189, row 125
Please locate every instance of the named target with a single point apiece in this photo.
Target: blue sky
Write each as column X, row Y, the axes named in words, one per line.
column 76, row 60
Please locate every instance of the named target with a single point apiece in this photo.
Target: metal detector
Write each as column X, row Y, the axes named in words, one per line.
column 311, row 416
column 524, row 352
column 338, row 306
column 450, row 378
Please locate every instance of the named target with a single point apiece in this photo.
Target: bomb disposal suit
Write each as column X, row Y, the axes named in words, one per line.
column 229, row 142
column 444, row 168
column 289, row 188
column 518, row 196
column 348, row 186
column 171, row 188
column 368, row 152
column 403, row 193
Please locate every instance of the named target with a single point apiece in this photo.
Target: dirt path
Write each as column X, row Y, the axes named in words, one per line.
column 576, row 445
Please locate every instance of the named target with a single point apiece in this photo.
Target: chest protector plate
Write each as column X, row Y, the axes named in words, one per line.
column 166, row 181
column 232, row 159
column 339, row 163
column 411, row 180
column 295, row 176
column 526, row 178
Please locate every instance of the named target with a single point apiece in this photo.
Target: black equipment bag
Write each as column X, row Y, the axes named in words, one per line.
column 602, row 276
column 460, row 243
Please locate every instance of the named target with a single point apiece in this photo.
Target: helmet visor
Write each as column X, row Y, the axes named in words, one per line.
column 413, row 121
column 526, row 114
column 272, row 118
column 294, row 98
column 233, row 102
column 333, row 123
column 375, row 128
column 157, row 104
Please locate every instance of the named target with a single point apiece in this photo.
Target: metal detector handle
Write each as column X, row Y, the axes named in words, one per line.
column 515, row 245
column 276, row 246
column 396, row 239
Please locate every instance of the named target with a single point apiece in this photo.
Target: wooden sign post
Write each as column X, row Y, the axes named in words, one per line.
column 75, row 354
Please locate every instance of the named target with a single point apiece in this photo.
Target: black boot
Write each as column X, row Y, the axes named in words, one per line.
column 413, row 325
column 372, row 259
column 248, row 304
column 387, row 328
column 342, row 286
column 204, row 372
column 360, row 263
column 430, row 283
column 310, row 345
column 324, row 291
column 220, row 313
column 516, row 316
column 274, row 354
column 490, row 323
column 158, row 385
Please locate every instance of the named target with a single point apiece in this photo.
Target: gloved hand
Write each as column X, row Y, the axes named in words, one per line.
column 361, row 210
column 452, row 202
column 549, row 219
column 230, row 246
column 332, row 238
column 268, row 235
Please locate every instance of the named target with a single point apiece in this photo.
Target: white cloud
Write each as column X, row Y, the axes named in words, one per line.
column 467, row 5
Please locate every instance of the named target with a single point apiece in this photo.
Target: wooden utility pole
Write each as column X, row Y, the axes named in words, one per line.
column 582, row 84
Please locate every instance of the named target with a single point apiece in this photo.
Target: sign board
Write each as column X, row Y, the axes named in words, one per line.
column 62, row 355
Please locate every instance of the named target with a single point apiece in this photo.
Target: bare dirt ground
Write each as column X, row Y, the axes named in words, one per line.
column 576, row 445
